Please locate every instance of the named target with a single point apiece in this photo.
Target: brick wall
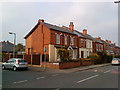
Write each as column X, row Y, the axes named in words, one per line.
column 35, row 41
column 86, row 62
column 62, row 65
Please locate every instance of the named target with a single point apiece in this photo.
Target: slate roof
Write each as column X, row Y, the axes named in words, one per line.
column 6, row 46
column 84, row 36
column 95, row 40
column 87, row 36
column 79, row 34
column 51, row 27
column 108, row 43
column 57, row 28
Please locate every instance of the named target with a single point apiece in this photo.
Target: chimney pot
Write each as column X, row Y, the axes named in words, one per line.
column 110, row 42
column 84, row 31
column 71, row 23
column 40, row 20
column 107, row 41
column 71, row 26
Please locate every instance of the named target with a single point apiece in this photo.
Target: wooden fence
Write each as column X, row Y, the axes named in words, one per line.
column 31, row 59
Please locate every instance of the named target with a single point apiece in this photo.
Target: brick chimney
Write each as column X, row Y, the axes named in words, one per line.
column 40, row 20
column 71, row 26
column 84, row 32
column 107, row 41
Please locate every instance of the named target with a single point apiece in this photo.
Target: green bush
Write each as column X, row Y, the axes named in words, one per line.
column 63, row 53
column 101, row 57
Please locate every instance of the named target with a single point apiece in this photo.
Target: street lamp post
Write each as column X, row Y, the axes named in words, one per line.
column 118, row 20
column 14, row 42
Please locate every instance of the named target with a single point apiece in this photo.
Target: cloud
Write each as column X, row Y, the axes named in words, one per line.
column 98, row 18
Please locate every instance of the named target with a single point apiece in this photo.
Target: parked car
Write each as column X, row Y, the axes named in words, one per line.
column 14, row 63
column 115, row 61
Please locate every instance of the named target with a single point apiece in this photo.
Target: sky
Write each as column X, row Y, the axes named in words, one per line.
column 99, row 18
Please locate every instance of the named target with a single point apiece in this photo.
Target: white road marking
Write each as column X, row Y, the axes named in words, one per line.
column 20, row 81
column 87, row 78
column 40, row 77
column 55, row 75
column 57, row 88
column 107, row 71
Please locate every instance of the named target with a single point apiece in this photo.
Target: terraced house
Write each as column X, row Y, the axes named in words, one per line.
column 84, row 43
column 98, row 45
column 51, row 37
column 47, row 39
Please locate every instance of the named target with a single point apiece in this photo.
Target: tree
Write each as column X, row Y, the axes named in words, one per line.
column 20, row 47
column 101, row 57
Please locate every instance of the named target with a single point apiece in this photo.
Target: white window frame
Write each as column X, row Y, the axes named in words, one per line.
column 65, row 40
column 72, row 40
column 57, row 39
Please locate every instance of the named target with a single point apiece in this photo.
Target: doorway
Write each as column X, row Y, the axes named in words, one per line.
column 82, row 54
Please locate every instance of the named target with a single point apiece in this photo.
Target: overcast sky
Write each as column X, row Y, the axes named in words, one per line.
column 99, row 18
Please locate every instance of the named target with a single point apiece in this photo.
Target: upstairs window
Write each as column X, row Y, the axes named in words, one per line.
column 65, row 40
column 83, row 43
column 90, row 44
column 57, row 39
column 72, row 40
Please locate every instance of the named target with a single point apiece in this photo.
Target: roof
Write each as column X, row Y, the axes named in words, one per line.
column 79, row 33
column 95, row 40
column 6, row 46
column 104, row 42
column 51, row 27
column 108, row 43
column 89, row 37
column 57, row 28
column 83, row 36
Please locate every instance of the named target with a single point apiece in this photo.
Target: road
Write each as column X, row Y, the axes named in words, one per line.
column 102, row 77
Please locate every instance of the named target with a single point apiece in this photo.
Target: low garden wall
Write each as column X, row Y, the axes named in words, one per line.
column 61, row 65
column 86, row 62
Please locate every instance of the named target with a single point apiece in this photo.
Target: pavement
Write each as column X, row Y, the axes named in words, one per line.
column 81, row 68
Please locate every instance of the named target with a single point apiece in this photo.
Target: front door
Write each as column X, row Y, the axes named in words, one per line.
column 82, row 54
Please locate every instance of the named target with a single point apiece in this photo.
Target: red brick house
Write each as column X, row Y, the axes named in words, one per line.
column 48, row 37
column 84, row 43
column 117, row 50
column 111, row 48
column 98, row 45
